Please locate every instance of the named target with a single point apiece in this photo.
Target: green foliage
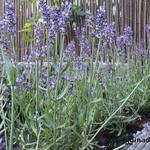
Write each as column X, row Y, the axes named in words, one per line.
column 77, row 10
column 31, row 1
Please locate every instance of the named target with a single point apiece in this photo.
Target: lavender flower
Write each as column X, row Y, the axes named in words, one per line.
column 79, row 65
column 98, row 22
column 142, row 50
column 53, row 82
column 49, row 20
column 43, row 52
column 3, row 24
column 33, row 56
column 3, row 39
column 10, row 16
column 64, row 16
column 37, row 35
column 128, row 31
column 126, row 38
column 122, row 40
column 84, row 43
column 70, row 50
column 109, row 33
column 45, row 11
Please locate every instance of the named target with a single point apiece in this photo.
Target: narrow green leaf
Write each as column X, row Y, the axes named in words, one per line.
column 63, row 93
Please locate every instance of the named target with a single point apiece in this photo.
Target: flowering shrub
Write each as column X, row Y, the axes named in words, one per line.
column 63, row 94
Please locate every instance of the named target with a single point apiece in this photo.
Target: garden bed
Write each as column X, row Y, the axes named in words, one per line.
column 90, row 93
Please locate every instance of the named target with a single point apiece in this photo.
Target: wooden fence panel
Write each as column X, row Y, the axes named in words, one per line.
column 134, row 13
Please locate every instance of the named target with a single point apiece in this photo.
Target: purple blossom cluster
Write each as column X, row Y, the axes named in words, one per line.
column 49, row 20
column 84, row 42
column 10, row 16
column 7, row 24
column 128, row 31
column 3, row 39
column 37, row 35
column 126, row 38
column 64, row 16
column 70, row 51
column 3, row 24
column 97, row 22
column 55, row 19
column 109, row 33
column 33, row 55
column 143, row 50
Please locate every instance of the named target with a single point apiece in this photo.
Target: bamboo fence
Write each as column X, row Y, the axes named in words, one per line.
column 134, row 13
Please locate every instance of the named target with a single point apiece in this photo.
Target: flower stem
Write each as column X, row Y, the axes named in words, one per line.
column 56, row 90
column 12, row 120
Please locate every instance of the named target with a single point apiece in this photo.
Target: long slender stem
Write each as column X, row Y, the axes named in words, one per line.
column 49, row 46
column 56, row 90
column 5, row 132
column 37, row 86
column 91, row 66
column 96, row 61
column 13, row 47
column 56, row 46
column 48, row 65
column 2, row 78
column 12, row 120
column 38, row 139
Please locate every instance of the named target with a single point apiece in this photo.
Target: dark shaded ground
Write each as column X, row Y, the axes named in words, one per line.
column 109, row 141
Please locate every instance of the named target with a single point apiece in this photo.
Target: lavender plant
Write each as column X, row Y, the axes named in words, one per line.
column 62, row 100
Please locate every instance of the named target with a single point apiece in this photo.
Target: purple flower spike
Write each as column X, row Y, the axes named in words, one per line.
column 3, row 23
column 10, row 16
column 64, row 16
column 84, row 42
column 43, row 52
column 109, row 33
column 70, row 51
column 53, row 82
column 37, row 35
column 49, row 20
column 33, row 56
column 128, row 31
column 126, row 38
column 122, row 40
column 142, row 50
column 3, row 38
column 98, row 23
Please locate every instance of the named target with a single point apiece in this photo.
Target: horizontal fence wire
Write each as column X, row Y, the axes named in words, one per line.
column 134, row 13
